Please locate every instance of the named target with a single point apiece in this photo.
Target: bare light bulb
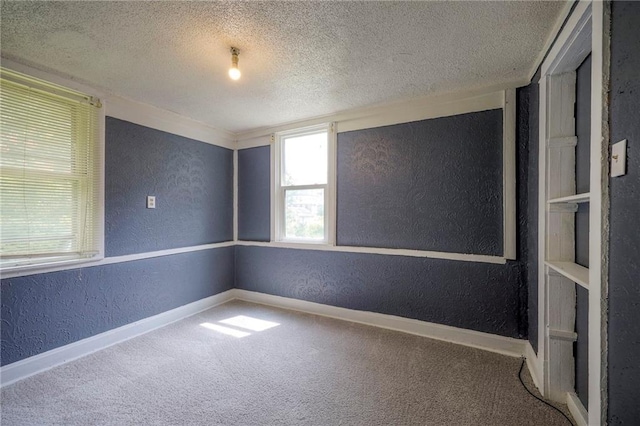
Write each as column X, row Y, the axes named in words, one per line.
column 234, row 71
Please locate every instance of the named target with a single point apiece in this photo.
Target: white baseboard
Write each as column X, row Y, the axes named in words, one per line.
column 27, row 367
column 504, row 345
column 475, row 339
column 533, row 364
column 577, row 410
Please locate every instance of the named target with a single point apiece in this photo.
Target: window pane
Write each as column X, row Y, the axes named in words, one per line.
column 304, row 214
column 305, row 160
column 38, row 215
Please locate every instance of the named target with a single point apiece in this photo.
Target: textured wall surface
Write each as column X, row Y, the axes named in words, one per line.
column 624, row 244
column 522, row 201
column 582, row 234
column 254, row 203
column 583, row 125
column 582, row 345
column 583, row 166
column 192, row 182
column 583, row 158
column 432, row 185
column 43, row 312
column 476, row 296
column 532, row 210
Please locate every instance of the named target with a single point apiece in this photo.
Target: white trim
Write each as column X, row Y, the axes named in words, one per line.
column 54, row 78
column 36, row 364
column 509, row 174
column 276, row 177
column 577, row 410
column 475, row 339
column 573, row 44
column 39, row 363
column 533, row 364
column 273, row 172
column 557, row 27
column 398, row 112
column 136, row 112
column 599, row 213
column 385, row 251
column 101, row 184
column 167, row 121
column 542, row 251
column 110, row 260
column 332, row 196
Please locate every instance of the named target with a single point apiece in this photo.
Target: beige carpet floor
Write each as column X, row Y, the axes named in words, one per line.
column 306, row 370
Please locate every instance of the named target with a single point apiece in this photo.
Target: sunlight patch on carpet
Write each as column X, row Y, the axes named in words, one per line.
column 225, row 330
column 250, row 323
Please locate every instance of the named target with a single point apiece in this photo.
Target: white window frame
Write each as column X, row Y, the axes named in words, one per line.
column 278, row 190
column 63, row 264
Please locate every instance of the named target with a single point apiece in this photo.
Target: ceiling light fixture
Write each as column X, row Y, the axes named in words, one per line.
column 234, row 71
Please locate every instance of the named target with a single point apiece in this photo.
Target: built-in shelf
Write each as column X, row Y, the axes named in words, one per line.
column 570, row 336
column 578, row 198
column 577, row 273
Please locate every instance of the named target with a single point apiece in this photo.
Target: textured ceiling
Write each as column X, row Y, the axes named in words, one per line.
column 298, row 59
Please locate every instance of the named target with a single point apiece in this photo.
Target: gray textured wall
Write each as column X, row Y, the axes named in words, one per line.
column 582, row 345
column 254, row 194
column 532, row 209
column 428, row 185
column 583, row 156
column 46, row 311
column 583, row 125
column 523, row 158
column 624, row 267
column 192, row 182
column 456, row 293
column 476, row 296
column 194, row 185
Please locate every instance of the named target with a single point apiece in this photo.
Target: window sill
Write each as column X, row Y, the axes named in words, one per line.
column 43, row 268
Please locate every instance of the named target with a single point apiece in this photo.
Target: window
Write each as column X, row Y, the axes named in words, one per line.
column 50, row 172
column 303, row 185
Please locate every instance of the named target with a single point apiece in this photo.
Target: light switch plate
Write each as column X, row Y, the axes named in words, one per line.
column 151, row 202
column 619, row 158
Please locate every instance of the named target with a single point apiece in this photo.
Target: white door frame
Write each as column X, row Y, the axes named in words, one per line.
column 586, row 31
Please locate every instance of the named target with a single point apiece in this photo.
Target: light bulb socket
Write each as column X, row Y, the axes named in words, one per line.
column 234, row 72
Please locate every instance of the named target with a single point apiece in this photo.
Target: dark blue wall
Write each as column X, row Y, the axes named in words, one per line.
column 583, row 158
column 254, row 194
column 583, row 125
column 479, row 296
column 532, row 209
column 583, row 166
column 192, row 182
column 624, row 237
column 427, row 185
column 194, row 185
column 43, row 312
column 476, row 296
column 582, row 345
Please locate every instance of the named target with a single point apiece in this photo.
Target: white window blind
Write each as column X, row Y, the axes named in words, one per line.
column 49, row 176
